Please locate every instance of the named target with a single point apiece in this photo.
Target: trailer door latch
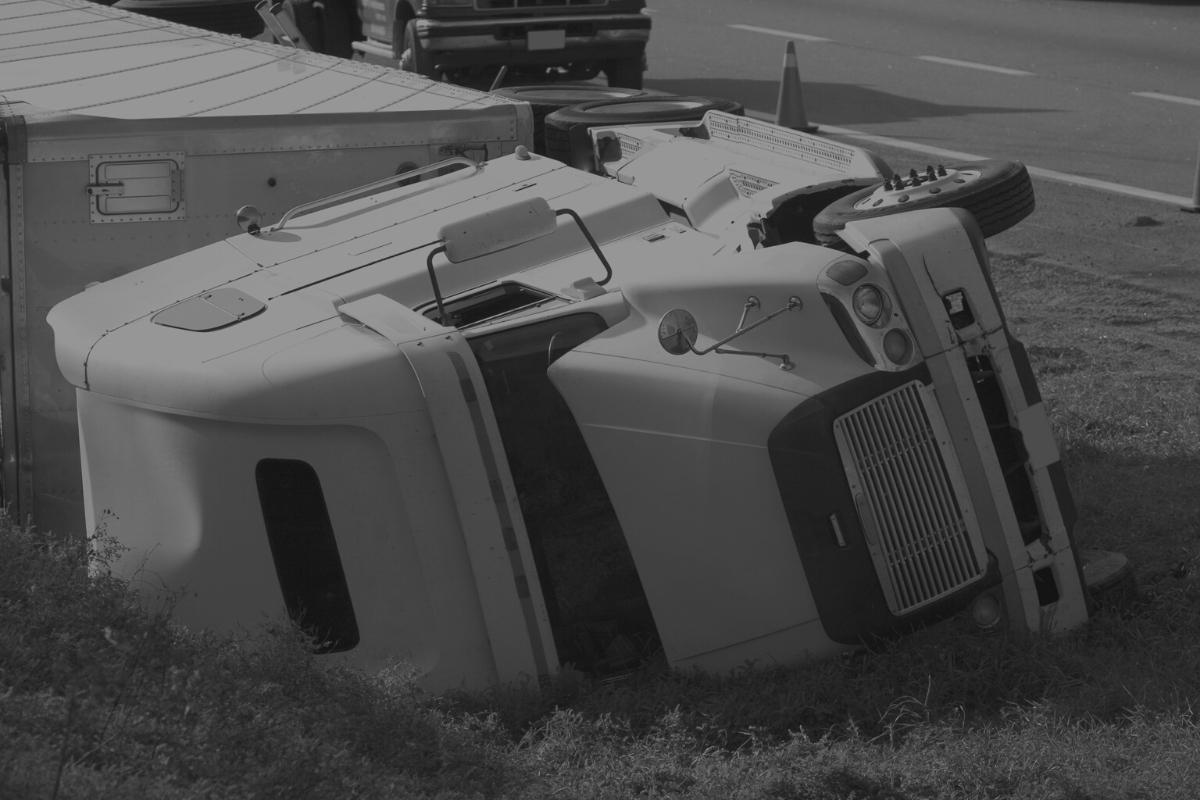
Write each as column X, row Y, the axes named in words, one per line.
column 116, row 189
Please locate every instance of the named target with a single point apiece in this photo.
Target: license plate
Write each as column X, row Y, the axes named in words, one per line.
column 546, row 40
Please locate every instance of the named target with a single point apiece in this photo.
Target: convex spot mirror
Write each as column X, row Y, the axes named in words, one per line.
column 677, row 331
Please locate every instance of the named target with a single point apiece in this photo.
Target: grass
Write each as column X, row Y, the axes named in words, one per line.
column 101, row 698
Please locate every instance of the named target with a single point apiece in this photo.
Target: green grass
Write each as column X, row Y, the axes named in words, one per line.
column 99, row 698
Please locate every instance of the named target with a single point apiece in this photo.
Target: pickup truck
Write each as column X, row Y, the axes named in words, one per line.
column 520, row 416
column 574, row 39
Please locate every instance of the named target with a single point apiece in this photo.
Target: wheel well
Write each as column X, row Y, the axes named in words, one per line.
column 792, row 220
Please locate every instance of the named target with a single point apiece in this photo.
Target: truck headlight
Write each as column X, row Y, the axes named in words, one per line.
column 897, row 346
column 870, row 304
column 987, row 611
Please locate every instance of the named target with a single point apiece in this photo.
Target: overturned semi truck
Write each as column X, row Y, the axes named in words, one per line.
column 716, row 400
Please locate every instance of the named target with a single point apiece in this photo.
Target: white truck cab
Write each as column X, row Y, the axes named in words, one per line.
column 518, row 416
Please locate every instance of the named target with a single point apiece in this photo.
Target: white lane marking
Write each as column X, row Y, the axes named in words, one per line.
column 954, row 62
column 1106, row 186
column 1170, row 98
column 1047, row 174
column 785, row 34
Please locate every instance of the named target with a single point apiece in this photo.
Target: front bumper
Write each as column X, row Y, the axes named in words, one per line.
column 534, row 40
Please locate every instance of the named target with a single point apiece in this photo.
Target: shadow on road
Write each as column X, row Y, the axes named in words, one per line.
column 831, row 103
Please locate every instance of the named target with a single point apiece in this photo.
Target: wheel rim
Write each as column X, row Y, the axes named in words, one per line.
column 901, row 191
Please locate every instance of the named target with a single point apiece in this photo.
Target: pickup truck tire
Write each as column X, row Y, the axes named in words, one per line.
column 625, row 72
column 567, row 129
column 999, row 194
column 546, row 99
column 413, row 56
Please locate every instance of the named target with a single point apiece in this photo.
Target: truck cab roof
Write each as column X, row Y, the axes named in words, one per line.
column 154, row 335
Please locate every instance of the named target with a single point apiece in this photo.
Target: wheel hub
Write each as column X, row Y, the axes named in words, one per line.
column 900, row 190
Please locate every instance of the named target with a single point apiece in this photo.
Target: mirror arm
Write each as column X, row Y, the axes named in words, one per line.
column 591, row 241
column 742, row 328
column 437, row 291
column 785, row 363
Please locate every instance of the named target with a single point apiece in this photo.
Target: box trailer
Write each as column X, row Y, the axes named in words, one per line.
column 524, row 415
column 126, row 139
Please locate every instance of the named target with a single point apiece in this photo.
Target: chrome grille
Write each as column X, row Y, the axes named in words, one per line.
column 920, row 527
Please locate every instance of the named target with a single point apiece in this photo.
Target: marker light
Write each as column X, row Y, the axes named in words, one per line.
column 847, row 272
column 869, row 304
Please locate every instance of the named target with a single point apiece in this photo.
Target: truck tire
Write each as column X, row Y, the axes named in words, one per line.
column 339, row 28
column 567, row 129
column 545, row 99
column 414, row 57
column 999, row 194
column 625, row 72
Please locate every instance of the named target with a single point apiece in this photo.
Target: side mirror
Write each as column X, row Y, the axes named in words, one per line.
column 677, row 331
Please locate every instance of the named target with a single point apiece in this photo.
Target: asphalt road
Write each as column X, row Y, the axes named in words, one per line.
column 1105, row 91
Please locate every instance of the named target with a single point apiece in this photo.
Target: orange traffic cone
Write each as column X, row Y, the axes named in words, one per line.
column 789, row 110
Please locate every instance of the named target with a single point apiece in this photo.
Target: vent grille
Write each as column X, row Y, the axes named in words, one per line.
column 748, row 185
column 920, row 527
column 793, row 144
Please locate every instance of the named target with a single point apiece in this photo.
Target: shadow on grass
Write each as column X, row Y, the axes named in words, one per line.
column 1143, row 506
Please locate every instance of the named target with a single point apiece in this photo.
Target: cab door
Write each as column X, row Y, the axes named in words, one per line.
column 598, row 612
